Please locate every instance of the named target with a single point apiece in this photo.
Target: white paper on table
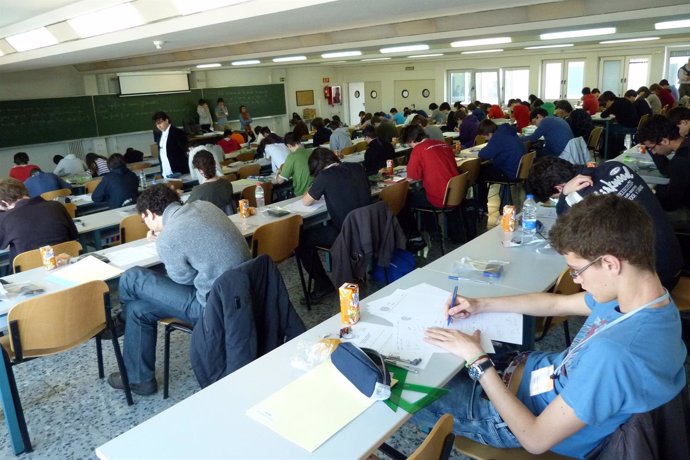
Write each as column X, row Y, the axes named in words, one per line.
column 82, row 199
column 297, row 206
column 87, row 269
column 506, row 327
column 131, row 256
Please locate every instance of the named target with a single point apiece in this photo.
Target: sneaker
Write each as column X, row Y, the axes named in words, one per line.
column 142, row 389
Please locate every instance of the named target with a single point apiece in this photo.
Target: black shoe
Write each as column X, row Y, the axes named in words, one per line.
column 119, row 329
column 142, row 389
column 317, row 294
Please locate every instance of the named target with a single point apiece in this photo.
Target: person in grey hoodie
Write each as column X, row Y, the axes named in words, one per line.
column 197, row 243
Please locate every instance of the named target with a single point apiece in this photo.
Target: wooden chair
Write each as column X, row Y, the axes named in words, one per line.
column 49, row 196
column 395, row 195
column 566, row 286
column 71, row 209
column 175, row 184
column 436, row 446
column 361, row 146
column 400, row 161
column 594, row 141
column 91, row 185
column 48, row 324
column 246, row 156
column 479, row 139
column 140, row 166
column 132, row 228
column 32, row 259
column 348, row 151
column 472, row 167
column 232, row 177
column 248, row 193
column 227, row 162
column 524, row 168
column 478, row 451
column 456, row 190
column 681, row 293
column 249, row 170
column 643, row 120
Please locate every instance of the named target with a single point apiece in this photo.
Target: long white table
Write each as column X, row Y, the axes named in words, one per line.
column 215, row 416
column 643, row 165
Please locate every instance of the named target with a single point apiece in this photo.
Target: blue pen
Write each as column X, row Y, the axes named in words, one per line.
column 452, row 304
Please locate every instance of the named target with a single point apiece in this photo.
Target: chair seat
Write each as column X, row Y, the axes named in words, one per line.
column 480, row 451
column 5, row 343
column 169, row 321
column 681, row 293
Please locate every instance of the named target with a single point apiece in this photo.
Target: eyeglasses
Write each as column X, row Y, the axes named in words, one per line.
column 651, row 149
column 575, row 273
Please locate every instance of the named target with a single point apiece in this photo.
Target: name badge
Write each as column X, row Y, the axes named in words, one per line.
column 540, row 381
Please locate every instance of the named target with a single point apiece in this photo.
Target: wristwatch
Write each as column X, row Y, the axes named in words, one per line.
column 476, row 371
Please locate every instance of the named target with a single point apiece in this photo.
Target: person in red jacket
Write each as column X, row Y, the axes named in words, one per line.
column 590, row 100
column 21, row 169
column 664, row 95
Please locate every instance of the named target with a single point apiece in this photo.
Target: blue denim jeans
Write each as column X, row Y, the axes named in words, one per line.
column 146, row 297
column 474, row 417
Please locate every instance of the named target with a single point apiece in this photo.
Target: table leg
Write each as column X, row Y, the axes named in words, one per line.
column 606, row 140
column 12, row 408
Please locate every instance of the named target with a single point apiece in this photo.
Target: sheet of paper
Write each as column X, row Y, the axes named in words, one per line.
column 87, row 269
column 297, row 206
column 82, row 199
column 506, row 327
column 132, row 256
column 313, row 408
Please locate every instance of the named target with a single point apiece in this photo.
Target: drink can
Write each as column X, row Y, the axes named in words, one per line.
column 592, row 164
column 389, row 166
column 48, row 257
column 244, row 208
column 349, row 303
column 508, row 219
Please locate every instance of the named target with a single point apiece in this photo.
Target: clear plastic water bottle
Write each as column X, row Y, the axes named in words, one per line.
column 529, row 217
column 259, row 196
column 142, row 180
column 628, row 141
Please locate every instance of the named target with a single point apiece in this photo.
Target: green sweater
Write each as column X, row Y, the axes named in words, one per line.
column 296, row 167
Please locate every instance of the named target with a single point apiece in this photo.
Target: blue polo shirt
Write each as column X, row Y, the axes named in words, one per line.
column 504, row 149
column 556, row 132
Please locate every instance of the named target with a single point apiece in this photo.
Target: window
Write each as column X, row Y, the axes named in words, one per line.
column 621, row 74
column 493, row 86
column 562, row 79
column 515, row 84
column 486, row 86
column 676, row 60
column 460, row 86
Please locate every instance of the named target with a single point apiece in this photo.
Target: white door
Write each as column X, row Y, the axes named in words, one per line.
column 356, row 99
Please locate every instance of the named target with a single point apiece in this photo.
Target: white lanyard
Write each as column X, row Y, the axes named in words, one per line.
column 620, row 319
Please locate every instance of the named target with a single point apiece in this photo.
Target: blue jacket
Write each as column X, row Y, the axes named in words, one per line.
column 44, row 182
column 116, row 187
column 556, row 132
column 504, row 149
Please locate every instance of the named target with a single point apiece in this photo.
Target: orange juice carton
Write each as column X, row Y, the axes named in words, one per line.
column 48, row 257
column 349, row 303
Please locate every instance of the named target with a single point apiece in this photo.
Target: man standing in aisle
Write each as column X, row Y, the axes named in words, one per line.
column 197, row 243
column 172, row 146
column 684, row 79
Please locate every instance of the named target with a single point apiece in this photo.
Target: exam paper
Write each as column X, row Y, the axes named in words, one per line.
column 297, row 206
column 132, row 256
column 87, row 269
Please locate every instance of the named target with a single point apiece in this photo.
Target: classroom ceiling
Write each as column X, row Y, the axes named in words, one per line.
column 264, row 29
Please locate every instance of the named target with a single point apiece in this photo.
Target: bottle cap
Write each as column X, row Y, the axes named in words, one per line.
column 530, row 196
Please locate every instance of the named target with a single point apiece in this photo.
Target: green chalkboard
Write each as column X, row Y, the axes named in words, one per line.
column 36, row 121
column 117, row 114
column 261, row 100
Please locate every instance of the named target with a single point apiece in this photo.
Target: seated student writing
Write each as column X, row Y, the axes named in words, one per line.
column 212, row 188
column 627, row 358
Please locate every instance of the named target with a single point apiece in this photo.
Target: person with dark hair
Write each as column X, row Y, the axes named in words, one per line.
column 670, row 88
column 684, row 80
column 445, row 110
column 274, row 149
column 261, row 133
column 431, row 131
column 29, row 223
column 580, row 123
column 221, row 113
column 172, row 146
column 551, row 176
column 301, row 130
column 96, row 164
column 340, row 138
column 41, row 182
column 246, row 122
column 196, row 243
column 495, row 111
column 590, row 101
column 215, row 150
column 661, row 137
column 500, row 158
column 68, row 166
column 570, row 402
column 651, row 98
column 227, row 143
column 468, row 129
column 296, row 166
column 436, row 116
column 386, row 130
column 626, row 120
column 397, row 117
column 133, row 155
column 641, row 105
column 331, row 179
column 295, row 118
column 21, row 169
column 322, row 134
column 556, row 132
column 120, row 187
column 57, row 158
column 212, row 187
column 680, row 116
column 664, row 95
column 378, row 151
column 563, row 108
column 205, row 119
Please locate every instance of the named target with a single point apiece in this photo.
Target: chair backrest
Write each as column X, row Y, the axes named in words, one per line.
column 91, row 185
column 395, row 195
column 58, row 321
column 248, row 193
column 71, row 209
column 277, row 239
column 565, row 284
column 438, row 443
column 230, row 176
column 348, row 150
column 48, row 196
column 32, row 259
column 361, row 146
column 472, row 168
column 456, row 189
column 479, row 139
column 246, row 156
column 139, row 166
column 175, row 184
column 249, row 170
column 132, row 228
column 643, row 120
column 594, row 138
column 525, row 165
column 227, row 161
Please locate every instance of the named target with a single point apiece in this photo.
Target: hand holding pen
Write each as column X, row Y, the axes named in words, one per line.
column 452, row 305
column 459, row 307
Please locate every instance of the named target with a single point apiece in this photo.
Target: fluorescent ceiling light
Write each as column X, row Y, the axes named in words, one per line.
column 629, row 40
column 341, row 54
column 578, row 33
column 37, row 38
column 290, row 59
column 376, row 59
column 109, row 20
column 425, row 55
column 482, row 51
column 190, row 7
column 248, row 62
column 208, row 66
column 481, row 42
column 672, row 24
column 404, row 49
column 540, row 47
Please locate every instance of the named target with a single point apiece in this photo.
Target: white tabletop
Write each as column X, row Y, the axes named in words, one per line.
column 643, row 165
column 215, row 416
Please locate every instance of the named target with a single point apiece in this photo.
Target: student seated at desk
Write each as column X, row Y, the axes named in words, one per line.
column 322, row 134
column 627, row 358
column 345, row 187
column 196, row 243
column 680, row 116
column 214, row 150
column 120, row 187
column 96, row 164
column 340, row 138
column 273, row 148
column 555, row 177
column 41, row 182
column 228, row 143
column 29, row 223
column 21, row 169
column 212, row 187
column 556, row 132
column 69, row 165
column 378, row 151
column 296, row 166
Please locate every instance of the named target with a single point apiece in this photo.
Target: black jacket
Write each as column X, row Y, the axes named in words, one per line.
column 118, row 188
column 248, row 313
column 176, row 148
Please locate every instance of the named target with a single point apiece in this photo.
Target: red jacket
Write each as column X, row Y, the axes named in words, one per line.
column 665, row 97
column 434, row 164
column 590, row 103
column 229, row 145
